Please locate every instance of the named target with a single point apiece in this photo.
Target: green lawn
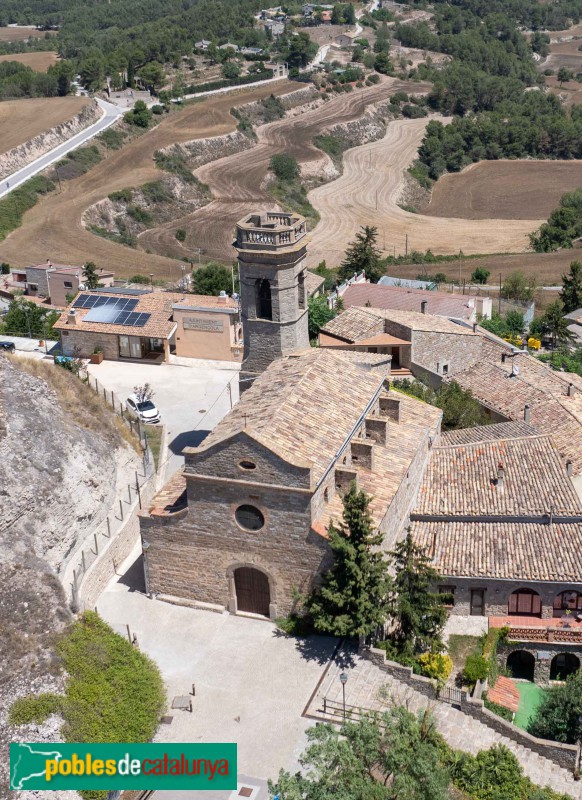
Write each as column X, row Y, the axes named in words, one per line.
column 530, row 696
column 459, row 647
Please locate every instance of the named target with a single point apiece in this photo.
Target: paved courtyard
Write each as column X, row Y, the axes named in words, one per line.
column 192, row 399
column 369, row 687
column 252, row 684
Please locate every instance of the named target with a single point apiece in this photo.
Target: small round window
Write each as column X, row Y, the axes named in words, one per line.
column 249, row 518
column 246, row 464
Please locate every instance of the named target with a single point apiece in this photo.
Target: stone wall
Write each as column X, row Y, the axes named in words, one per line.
column 40, row 278
column 564, row 755
column 83, row 343
column 445, row 353
column 543, row 653
column 29, row 151
column 203, row 151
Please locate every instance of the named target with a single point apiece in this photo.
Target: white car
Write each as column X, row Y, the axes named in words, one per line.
column 146, row 410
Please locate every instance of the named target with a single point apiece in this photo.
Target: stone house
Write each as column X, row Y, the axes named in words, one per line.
column 55, row 281
column 244, row 526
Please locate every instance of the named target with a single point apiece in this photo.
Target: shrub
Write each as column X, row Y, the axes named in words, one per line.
column 372, row 79
column 285, row 167
column 155, row 192
column 435, row 665
column 294, row 625
column 140, row 279
column 140, row 215
column 181, row 235
column 111, row 139
column 476, row 669
column 123, row 195
column 501, row 711
column 35, row 708
column 158, row 110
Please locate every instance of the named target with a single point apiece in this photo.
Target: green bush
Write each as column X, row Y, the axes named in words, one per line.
column 181, row 235
column 501, row 711
column 140, row 279
column 476, row 669
column 294, row 625
column 140, row 215
column 123, row 195
column 155, row 192
column 112, row 139
column 35, row 708
column 285, row 167
column 435, row 665
column 13, row 206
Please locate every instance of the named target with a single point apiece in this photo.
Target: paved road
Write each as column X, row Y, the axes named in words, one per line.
column 110, row 115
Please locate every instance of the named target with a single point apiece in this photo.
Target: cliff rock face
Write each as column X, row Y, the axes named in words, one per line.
column 58, row 474
column 26, row 153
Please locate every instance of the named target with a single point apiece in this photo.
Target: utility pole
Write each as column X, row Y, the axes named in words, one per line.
column 499, row 294
column 406, row 246
column 460, row 266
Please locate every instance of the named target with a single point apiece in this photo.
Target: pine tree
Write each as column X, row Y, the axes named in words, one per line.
column 571, row 294
column 90, row 277
column 362, row 254
column 556, row 324
column 417, row 611
column 352, row 600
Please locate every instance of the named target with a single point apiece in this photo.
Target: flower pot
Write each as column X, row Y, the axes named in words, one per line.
column 96, row 358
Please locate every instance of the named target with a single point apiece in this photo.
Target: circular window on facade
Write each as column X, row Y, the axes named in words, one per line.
column 249, row 518
column 246, row 464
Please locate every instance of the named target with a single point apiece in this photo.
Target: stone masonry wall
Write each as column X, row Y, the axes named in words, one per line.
column 543, row 653
column 26, row 153
column 84, row 343
column 433, row 349
column 564, row 755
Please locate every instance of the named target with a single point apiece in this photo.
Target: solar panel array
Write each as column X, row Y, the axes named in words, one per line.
column 96, row 300
column 111, row 310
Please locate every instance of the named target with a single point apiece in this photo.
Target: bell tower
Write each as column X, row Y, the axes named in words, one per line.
column 271, row 256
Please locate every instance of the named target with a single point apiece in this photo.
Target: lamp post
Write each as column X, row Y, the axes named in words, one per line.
column 344, row 679
column 152, row 280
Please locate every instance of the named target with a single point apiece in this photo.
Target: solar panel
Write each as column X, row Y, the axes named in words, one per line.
column 97, row 301
column 136, row 320
column 102, row 314
column 121, row 318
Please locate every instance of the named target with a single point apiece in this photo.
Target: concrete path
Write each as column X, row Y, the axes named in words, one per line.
column 252, row 683
column 368, row 687
column 110, row 115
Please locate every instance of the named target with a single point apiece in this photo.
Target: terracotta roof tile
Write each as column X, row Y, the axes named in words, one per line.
column 405, row 299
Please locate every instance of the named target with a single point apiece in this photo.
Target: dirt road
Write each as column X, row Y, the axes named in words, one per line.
column 52, row 229
column 237, row 181
column 368, row 193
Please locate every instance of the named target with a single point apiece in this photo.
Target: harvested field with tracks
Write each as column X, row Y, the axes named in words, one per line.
column 39, row 62
column 369, row 191
column 21, row 34
column 504, row 189
column 20, row 120
column 53, row 229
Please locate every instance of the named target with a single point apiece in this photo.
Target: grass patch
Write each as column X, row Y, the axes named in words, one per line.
column 112, row 139
column 35, row 708
column 154, row 435
column 124, row 237
column 78, row 162
column 501, row 711
column 292, row 196
column 175, row 162
column 530, row 697
column 333, row 146
column 121, row 196
column 460, row 647
column 14, row 205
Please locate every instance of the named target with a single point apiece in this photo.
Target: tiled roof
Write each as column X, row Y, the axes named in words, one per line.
column 505, row 693
column 461, row 480
column 417, row 321
column 354, row 324
column 313, row 282
column 405, row 299
column 545, row 390
column 302, row 407
column 504, row 550
column 485, row 433
column 205, row 301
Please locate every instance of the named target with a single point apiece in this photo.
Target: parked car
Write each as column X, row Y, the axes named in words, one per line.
column 146, row 411
column 9, row 346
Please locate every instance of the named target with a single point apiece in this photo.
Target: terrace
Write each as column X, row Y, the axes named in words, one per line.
column 269, row 231
column 535, row 629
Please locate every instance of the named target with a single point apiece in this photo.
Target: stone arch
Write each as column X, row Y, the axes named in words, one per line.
column 524, row 602
column 562, row 665
column 521, row 664
column 264, row 302
column 266, row 606
column 568, row 600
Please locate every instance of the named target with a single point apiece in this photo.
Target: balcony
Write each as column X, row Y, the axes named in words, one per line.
column 534, row 629
column 270, row 231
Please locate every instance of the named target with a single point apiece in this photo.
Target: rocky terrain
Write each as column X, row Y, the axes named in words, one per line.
column 60, row 450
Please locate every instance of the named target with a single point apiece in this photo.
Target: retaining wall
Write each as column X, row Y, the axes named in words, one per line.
column 564, row 755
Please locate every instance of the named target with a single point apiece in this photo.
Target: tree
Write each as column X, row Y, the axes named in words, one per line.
column 565, row 75
column 318, row 314
column 417, row 611
column 285, row 167
column 353, row 597
column 556, row 324
column 393, row 756
column 362, row 255
column 181, row 234
column 4, row 268
column 571, row 294
column 480, row 275
column 143, row 393
column 212, row 279
column 90, row 277
column 518, row 286
column 230, row 70
column 383, row 64
column 153, row 75
column 24, row 318
column 559, row 715
column 349, row 15
column 301, row 50
column 140, row 115
column 460, row 409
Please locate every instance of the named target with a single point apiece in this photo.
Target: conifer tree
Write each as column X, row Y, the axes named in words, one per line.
column 90, row 276
column 571, row 294
column 352, row 600
column 362, row 254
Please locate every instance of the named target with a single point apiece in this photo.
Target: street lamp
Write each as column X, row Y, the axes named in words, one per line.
column 152, row 280
column 344, row 679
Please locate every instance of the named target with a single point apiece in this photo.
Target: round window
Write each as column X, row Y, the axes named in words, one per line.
column 249, row 518
column 245, row 464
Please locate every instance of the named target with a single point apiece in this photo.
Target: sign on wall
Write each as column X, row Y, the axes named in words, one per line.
column 203, row 324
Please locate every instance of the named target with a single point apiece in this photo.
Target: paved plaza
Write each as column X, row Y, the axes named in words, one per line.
column 252, row 684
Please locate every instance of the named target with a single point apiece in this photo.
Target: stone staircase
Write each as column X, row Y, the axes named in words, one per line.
column 370, row 688
column 400, row 372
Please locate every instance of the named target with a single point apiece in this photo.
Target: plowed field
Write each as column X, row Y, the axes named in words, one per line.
column 20, row 120
column 505, row 189
column 39, row 62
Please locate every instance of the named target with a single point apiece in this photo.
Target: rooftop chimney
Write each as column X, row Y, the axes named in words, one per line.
column 526, row 412
column 569, row 468
column 423, row 306
column 474, row 327
column 571, row 390
column 500, row 476
column 72, row 317
column 503, row 357
column 222, row 297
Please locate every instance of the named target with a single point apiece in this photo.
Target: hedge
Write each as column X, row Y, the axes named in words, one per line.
column 222, row 84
